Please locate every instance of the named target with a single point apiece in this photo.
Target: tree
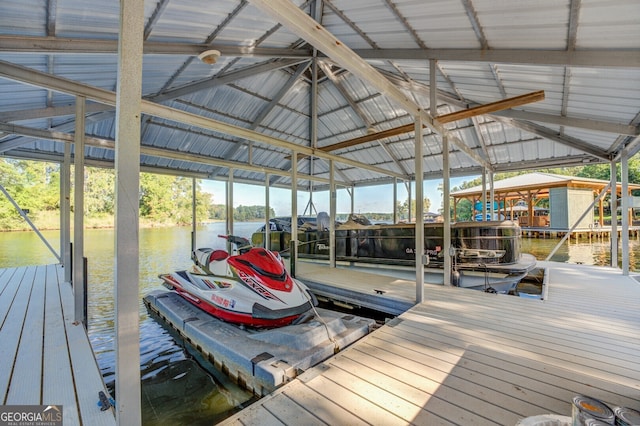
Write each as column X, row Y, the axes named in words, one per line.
column 403, row 208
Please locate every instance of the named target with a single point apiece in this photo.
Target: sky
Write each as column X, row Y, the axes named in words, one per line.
column 378, row 198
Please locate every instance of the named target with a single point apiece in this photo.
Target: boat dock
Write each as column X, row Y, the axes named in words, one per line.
column 593, row 233
column 258, row 361
column 46, row 357
column 471, row 358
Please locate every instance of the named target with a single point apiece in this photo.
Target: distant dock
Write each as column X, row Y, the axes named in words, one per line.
column 594, row 233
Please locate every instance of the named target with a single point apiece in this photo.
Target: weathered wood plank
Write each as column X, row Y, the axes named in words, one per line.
column 12, row 328
column 326, row 409
column 259, row 415
column 562, row 356
column 86, row 374
column 407, row 401
column 293, row 413
column 57, row 379
column 560, row 337
column 9, row 292
column 5, row 279
column 27, row 372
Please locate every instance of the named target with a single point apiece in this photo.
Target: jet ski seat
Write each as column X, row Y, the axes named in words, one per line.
column 213, row 261
column 218, row 255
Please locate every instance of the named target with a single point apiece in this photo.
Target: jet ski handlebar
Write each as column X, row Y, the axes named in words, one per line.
column 242, row 244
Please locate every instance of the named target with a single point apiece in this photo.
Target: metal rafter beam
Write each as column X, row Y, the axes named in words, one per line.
column 351, row 24
column 579, row 123
column 220, row 80
column 37, row 78
column 52, row 7
column 546, row 133
column 337, row 82
column 601, row 58
column 266, row 110
column 475, row 24
column 304, row 26
column 49, row 112
column 155, row 16
column 64, row 45
column 446, row 118
column 150, row 151
column 631, row 129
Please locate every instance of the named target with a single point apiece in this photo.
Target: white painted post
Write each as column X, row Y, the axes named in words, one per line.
column 127, row 166
column 419, row 226
column 446, row 204
column 492, row 195
column 293, row 246
column 332, row 215
column 65, row 212
column 78, row 212
column 484, row 194
column 230, row 205
column 267, row 215
column 624, row 171
column 395, row 200
column 614, row 214
column 194, row 218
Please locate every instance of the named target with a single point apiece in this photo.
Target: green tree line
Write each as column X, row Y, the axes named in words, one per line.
column 164, row 200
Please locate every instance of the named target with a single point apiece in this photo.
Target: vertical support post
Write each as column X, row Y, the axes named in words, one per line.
column 395, row 200
column 449, row 251
column 127, row 166
column 194, row 218
column 353, row 197
column 230, row 206
column 484, row 194
column 614, row 214
column 293, row 245
column 332, row 214
column 419, row 228
column 267, row 214
column 78, row 210
column 65, row 212
column 409, row 203
column 624, row 240
column 492, row 196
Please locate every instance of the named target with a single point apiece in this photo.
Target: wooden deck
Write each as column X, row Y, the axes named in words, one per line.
column 469, row 358
column 46, row 357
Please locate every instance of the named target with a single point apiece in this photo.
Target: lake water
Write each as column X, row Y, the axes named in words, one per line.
column 178, row 387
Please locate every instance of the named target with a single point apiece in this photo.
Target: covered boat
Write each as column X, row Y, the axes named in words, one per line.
column 492, row 246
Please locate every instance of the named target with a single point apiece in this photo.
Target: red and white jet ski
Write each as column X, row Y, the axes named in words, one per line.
column 252, row 288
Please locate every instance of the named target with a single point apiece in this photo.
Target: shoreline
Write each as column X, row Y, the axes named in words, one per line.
column 143, row 224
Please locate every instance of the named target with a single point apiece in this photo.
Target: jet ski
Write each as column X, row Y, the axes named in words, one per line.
column 250, row 288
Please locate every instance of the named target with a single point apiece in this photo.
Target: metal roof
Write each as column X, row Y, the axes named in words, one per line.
column 521, row 183
column 584, row 54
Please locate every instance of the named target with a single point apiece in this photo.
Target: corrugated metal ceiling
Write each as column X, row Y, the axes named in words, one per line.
column 584, row 54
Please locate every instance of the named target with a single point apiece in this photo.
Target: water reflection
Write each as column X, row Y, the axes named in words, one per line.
column 585, row 251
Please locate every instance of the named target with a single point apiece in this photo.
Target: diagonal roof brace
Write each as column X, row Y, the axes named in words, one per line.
column 315, row 34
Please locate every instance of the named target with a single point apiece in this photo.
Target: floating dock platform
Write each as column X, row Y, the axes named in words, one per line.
column 259, row 360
